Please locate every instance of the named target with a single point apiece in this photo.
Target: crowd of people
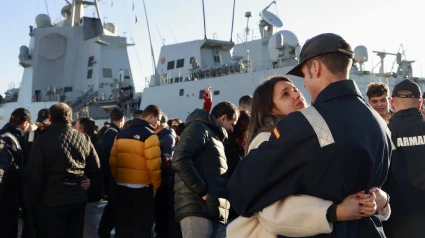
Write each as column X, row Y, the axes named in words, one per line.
column 276, row 166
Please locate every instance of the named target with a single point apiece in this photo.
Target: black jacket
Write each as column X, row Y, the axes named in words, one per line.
column 406, row 179
column 200, row 168
column 326, row 151
column 109, row 185
column 234, row 154
column 167, row 141
column 95, row 192
column 60, row 159
column 11, row 160
column 29, row 140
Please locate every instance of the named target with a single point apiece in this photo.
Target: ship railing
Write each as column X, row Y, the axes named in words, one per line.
column 244, row 36
column 188, row 75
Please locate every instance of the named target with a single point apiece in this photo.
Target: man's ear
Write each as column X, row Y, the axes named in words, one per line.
column 392, row 104
column 222, row 118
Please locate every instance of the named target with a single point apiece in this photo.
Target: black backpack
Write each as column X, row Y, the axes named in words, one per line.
column 8, row 164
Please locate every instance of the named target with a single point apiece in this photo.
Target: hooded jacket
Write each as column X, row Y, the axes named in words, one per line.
column 201, row 168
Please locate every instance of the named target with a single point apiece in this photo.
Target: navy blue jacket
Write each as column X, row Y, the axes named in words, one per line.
column 109, row 184
column 167, row 141
column 406, row 179
column 11, row 160
column 337, row 147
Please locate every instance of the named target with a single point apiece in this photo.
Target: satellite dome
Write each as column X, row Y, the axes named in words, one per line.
column 112, row 28
column 42, row 20
column 360, row 54
column 280, row 40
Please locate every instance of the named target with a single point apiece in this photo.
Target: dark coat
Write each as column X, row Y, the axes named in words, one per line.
column 406, row 179
column 326, row 151
column 11, row 160
column 60, row 159
column 200, row 168
column 167, row 141
column 109, row 185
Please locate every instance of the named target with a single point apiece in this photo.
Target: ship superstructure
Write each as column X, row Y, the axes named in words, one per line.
column 184, row 70
column 80, row 61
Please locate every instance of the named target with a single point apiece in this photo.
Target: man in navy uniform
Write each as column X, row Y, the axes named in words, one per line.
column 325, row 150
column 406, row 179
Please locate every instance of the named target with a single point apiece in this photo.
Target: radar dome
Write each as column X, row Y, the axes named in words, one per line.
column 24, row 53
column 360, row 54
column 67, row 11
column 280, row 40
column 112, row 28
column 42, row 20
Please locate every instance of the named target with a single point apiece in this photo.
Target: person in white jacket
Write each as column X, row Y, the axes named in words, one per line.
column 298, row 215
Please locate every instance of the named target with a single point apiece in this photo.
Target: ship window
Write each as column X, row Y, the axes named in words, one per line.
column 217, row 59
column 67, row 89
column 89, row 73
column 181, row 93
column 107, row 72
column 201, row 94
column 91, row 61
column 180, row 63
column 178, row 79
column 170, row 65
column 191, row 59
column 171, row 80
column 37, row 95
column 217, row 92
column 126, row 74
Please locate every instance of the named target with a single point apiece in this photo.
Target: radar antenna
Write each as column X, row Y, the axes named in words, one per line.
column 247, row 15
column 268, row 20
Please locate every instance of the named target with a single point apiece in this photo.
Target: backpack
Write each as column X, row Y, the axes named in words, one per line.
column 9, row 164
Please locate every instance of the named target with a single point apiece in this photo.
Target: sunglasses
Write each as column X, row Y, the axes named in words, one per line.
column 404, row 95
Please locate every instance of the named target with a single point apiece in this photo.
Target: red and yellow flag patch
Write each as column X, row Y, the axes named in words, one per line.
column 276, row 133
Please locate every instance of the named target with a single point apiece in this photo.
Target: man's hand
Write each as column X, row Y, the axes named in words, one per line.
column 168, row 161
column 85, row 184
column 356, row 206
column 205, row 197
column 381, row 197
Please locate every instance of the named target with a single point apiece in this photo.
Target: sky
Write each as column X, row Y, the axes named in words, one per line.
column 380, row 25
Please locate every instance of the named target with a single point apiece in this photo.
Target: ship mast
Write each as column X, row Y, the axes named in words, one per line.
column 150, row 40
column 78, row 11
